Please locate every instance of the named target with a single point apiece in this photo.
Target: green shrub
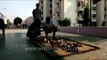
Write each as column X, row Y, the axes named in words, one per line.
column 66, row 22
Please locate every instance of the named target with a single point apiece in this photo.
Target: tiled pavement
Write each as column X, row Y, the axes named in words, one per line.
column 13, row 47
column 96, row 41
column 15, row 42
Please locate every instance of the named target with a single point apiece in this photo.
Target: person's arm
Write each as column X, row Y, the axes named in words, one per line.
column 33, row 14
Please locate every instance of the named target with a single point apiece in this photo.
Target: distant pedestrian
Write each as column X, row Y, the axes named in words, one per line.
column 2, row 26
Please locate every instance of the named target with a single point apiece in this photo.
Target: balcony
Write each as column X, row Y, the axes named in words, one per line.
column 80, row 9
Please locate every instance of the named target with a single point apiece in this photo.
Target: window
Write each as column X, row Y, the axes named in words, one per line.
column 50, row 11
column 94, row 15
column 50, row 0
column 50, row 5
column 60, row 0
column 94, row 8
column 58, row 14
column 78, row 4
column 41, row 7
column 105, row 16
column 41, row 2
column 105, row 9
column 80, row 12
column 58, row 5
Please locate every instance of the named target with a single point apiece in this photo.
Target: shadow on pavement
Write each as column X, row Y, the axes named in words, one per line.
column 2, row 38
column 14, row 45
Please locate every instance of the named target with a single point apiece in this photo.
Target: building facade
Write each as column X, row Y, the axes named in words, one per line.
column 53, row 9
column 60, row 9
column 81, row 5
column 74, row 9
column 3, row 17
column 99, row 13
column 29, row 21
column 70, row 11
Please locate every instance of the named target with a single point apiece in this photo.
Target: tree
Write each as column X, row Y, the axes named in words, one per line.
column 8, row 23
column 17, row 21
column 66, row 22
column 86, row 19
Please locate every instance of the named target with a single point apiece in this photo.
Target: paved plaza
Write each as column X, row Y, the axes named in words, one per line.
column 13, row 46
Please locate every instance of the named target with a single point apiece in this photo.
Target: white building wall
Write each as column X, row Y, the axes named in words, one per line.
column 29, row 21
column 106, row 14
column 70, row 10
column 3, row 17
column 54, row 20
column 44, row 9
column 100, row 13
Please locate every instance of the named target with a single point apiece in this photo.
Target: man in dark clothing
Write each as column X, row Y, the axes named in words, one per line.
column 37, row 12
column 2, row 26
column 37, row 16
column 33, row 31
column 48, row 27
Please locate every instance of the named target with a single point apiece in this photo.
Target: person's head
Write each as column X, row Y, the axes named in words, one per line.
column 37, row 5
column 47, row 20
column 1, row 19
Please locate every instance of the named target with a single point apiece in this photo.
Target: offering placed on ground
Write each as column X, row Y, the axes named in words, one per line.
column 63, row 47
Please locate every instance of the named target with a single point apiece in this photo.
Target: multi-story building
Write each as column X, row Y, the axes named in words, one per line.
column 93, row 14
column 81, row 5
column 29, row 21
column 99, row 13
column 70, row 11
column 60, row 9
column 53, row 9
column 3, row 17
column 74, row 9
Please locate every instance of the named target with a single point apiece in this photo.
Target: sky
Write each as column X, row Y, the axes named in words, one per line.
column 14, row 8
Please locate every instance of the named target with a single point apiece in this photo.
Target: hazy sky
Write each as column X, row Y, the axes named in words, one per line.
column 14, row 8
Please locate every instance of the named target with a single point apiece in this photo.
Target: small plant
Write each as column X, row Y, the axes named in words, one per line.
column 66, row 22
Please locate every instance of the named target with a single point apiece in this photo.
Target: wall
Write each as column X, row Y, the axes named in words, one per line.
column 92, row 31
column 70, row 10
